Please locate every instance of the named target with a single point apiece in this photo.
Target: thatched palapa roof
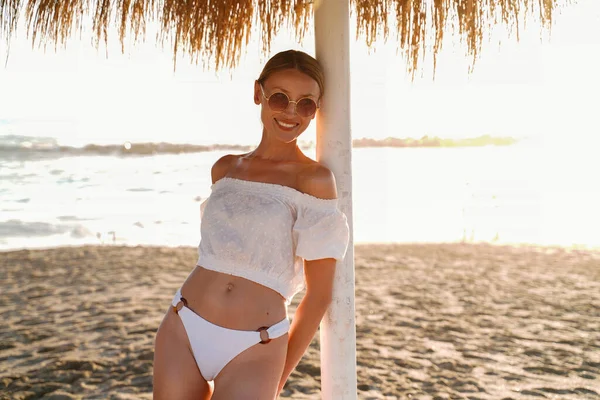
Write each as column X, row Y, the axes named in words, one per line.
column 216, row 31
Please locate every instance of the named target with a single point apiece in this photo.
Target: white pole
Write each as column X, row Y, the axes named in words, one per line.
column 334, row 150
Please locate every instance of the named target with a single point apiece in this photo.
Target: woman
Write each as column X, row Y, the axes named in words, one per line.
column 270, row 226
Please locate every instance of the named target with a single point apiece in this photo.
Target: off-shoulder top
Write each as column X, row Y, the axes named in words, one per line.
column 262, row 231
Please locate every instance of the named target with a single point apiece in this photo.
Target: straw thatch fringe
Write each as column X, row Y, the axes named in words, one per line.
column 216, row 31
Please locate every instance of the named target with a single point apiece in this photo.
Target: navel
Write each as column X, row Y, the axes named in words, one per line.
column 229, row 287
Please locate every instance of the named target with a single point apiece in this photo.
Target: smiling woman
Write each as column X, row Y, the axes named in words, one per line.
column 270, row 226
column 289, row 74
column 291, row 120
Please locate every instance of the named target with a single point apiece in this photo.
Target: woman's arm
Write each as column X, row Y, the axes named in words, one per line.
column 319, row 285
column 317, row 181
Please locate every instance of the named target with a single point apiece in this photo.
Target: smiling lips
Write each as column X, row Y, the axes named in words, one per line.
column 286, row 125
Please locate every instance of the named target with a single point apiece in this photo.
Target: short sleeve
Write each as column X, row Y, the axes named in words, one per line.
column 202, row 207
column 321, row 233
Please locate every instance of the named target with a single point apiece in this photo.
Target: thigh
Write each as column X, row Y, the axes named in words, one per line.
column 254, row 374
column 176, row 375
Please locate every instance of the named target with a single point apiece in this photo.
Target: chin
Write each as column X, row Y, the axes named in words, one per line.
column 287, row 136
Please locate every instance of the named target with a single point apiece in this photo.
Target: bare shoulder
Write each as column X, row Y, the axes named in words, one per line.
column 318, row 181
column 222, row 166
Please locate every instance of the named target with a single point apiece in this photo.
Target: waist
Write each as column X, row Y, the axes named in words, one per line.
column 231, row 301
column 281, row 279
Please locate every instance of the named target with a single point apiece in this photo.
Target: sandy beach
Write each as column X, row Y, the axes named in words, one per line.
column 434, row 321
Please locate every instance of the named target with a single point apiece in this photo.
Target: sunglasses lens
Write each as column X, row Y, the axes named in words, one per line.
column 278, row 101
column 306, row 108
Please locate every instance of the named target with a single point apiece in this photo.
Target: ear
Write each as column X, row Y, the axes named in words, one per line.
column 257, row 93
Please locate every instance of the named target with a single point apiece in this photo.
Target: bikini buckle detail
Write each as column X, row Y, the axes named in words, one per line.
column 264, row 335
column 182, row 302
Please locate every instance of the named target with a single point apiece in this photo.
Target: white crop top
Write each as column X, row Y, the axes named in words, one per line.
column 262, row 231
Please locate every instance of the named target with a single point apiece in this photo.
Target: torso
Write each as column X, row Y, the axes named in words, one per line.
column 230, row 301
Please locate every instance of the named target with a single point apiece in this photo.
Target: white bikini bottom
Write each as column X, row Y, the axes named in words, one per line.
column 215, row 346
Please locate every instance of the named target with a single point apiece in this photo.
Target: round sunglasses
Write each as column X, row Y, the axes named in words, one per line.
column 279, row 101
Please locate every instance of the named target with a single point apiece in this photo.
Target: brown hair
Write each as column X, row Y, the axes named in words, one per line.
column 294, row 59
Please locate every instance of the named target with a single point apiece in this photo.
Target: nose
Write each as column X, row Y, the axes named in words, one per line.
column 291, row 108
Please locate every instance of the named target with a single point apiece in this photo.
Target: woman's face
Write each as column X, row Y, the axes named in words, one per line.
column 286, row 125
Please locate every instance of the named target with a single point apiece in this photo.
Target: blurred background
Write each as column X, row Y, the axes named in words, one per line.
column 102, row 147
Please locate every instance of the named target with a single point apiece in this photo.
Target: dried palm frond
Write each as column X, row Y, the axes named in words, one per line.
column 216, row 31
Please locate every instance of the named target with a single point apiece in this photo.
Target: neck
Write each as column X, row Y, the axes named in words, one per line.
column 275, row 150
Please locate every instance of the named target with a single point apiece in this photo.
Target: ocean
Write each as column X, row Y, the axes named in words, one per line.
column 149, row 193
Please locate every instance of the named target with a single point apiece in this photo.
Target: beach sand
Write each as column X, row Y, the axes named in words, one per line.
column 434, row 321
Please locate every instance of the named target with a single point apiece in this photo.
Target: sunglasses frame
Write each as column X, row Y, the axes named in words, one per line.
column 262, row 90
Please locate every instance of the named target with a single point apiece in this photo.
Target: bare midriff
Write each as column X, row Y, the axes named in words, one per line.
column 232, row 302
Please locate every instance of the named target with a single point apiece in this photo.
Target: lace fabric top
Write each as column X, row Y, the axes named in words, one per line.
column 262, row 231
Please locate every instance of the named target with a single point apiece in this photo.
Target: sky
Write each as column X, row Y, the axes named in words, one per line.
column 535, row 88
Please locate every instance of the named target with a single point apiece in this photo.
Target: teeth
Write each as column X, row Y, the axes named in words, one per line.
column 285, row 125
